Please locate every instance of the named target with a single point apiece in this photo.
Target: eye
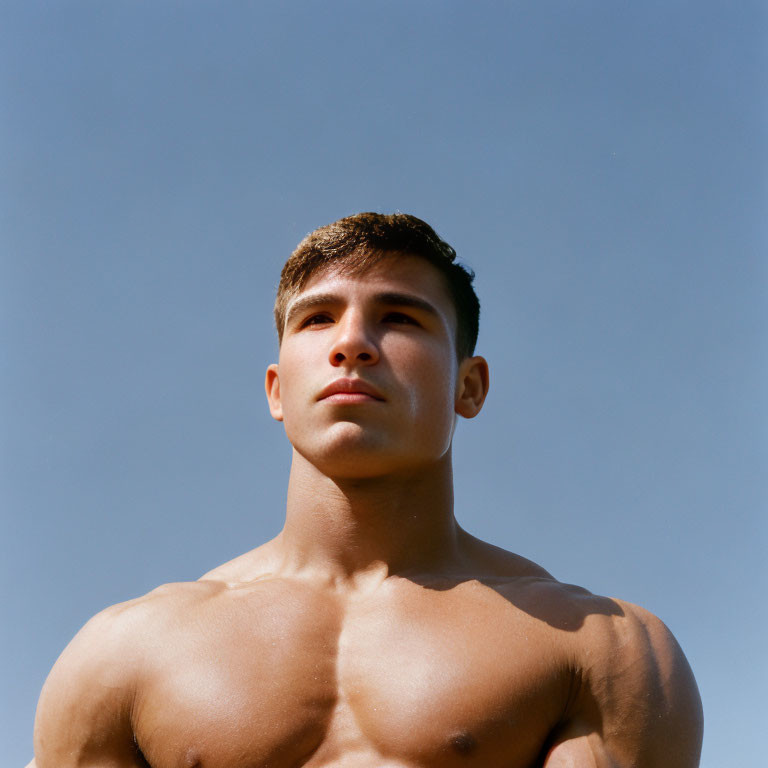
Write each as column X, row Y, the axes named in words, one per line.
column 319, row 319
column 399, row 318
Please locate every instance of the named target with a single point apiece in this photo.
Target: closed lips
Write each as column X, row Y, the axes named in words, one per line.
column 350, row 387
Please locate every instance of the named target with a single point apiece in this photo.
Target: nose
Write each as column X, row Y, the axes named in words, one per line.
column 353, row 342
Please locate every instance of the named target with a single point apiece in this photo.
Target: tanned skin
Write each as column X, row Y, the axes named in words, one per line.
column 373, row 631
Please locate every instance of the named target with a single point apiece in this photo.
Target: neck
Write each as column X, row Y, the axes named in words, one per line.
column 345, row 531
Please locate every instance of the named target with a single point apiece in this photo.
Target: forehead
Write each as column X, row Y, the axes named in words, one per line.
column 394, row 273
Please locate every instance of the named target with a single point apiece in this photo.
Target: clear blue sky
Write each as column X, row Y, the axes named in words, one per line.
column 602, row 167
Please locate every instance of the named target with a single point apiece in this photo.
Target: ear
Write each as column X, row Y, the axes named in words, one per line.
column 472, row 387
column 272, row 386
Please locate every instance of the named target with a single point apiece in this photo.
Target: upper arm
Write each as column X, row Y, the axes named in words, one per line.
column 84, row 713
column 637, row 704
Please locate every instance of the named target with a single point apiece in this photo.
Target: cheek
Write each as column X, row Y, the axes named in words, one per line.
column 296, row 382
column 429, row 381
column 294, row 410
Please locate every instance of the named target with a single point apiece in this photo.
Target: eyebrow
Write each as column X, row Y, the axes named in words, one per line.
column 388, row 298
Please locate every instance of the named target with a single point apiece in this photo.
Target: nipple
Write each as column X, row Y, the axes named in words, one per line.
column 463, row 743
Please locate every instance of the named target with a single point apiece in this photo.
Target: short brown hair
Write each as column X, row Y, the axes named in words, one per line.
column 356, row 243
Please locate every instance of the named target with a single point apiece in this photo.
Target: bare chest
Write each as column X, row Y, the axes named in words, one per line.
column 435, row 680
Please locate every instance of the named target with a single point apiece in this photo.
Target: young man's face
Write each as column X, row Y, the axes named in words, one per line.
column 368, row 382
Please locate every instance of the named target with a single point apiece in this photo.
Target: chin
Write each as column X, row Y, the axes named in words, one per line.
column 347, row 458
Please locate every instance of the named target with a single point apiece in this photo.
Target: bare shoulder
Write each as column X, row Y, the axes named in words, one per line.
column 498, row 563
column 84, row 710
column 259, row 563
column 627, row 665
column 119, row 632
column 633, row 699
column 534, row 590
column 637, row 648
column 634, row 693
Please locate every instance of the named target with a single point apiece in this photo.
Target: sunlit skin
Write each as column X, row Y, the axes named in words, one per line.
column 373, row 631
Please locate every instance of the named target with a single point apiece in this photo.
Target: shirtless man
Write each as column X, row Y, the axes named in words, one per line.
column 373, row 631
